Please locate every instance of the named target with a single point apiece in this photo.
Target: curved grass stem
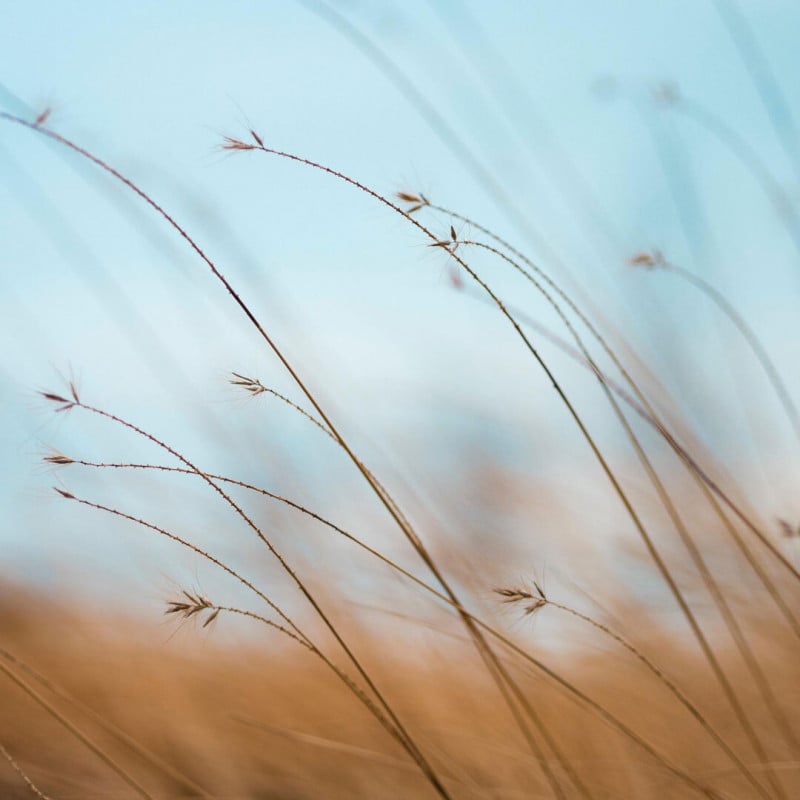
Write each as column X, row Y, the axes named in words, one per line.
column 411, row 746
column 76, row 732
column 750, row 336
column 684, row 534
column 405, row 573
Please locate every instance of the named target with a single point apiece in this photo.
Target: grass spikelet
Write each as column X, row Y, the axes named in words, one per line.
column 63, row 403
column 650, row 259
column 251, row 385
column 232, row 143
column 531, row 603
column 58, row 458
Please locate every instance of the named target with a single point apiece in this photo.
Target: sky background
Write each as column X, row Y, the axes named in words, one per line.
column 428, row 381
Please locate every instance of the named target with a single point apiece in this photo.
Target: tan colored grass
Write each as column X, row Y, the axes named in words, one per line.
column 302, row 736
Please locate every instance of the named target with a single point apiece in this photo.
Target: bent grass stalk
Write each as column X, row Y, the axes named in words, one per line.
column 739, row 322
column 380, row 493
column 390, row 506
column 61, row 459
column 108, row 726
column 75, row 402
column 235, row 144
column 437, row 123
column 449, row 247
column 685, row 536
column 728, row 616
column 701, row 477
column 708, row 494
column 708, row 652
column 533, row 603
column 18, row 769
column 743, row 151
column 326, row 744
column 774, row 100
column 255, row 388
column 533, row 132
column 65, row 460
column 197, row 604
column 75, row 731
column 293, row 632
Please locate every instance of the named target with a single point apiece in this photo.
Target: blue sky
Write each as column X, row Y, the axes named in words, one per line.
column 94, row 285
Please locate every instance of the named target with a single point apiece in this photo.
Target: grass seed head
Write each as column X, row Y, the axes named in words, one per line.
column 43, row 116
column 252, row 385
column 64, row 403
column 417, row 201
column 529, row 601
column 649, row 259
column 788, row 530
column 231, row 143
column 190, row 605
column 57, row 457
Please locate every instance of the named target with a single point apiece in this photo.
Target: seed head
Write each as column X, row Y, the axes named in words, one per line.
column 649, row 259
column 417, row 201
column 191, row 604
column 64, row 403
column 57, row 457
column 252, row 385
column 230, row 143
column 43, row 116
column 530, row 602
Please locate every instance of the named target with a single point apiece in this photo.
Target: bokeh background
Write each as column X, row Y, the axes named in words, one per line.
column 558, row 104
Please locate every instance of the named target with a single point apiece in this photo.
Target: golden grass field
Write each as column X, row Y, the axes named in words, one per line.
column 258, row 719
column 261, row 721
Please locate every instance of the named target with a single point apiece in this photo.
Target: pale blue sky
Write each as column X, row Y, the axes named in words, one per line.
column 93, row 282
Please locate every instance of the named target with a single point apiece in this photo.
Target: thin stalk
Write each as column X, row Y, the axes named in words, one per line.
column 18, row 769
column 773, row 99
column 437, row 123
column 703, row 484
column 76, row 732
column 704, row 481
column 747, row 156
column 672, row 511
column 689, row 217
column 109, row 727
column 743, row 646
column 686, row 537
column 411, row 746
column 750, row 337
column 509, row 690
column 255, row 388
column 390, row 506
column 352, row 538
column 188, row 610
column 234, row 144
column 670, row 684
column 327, row 744
column 515, row 102
column 292, row 631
